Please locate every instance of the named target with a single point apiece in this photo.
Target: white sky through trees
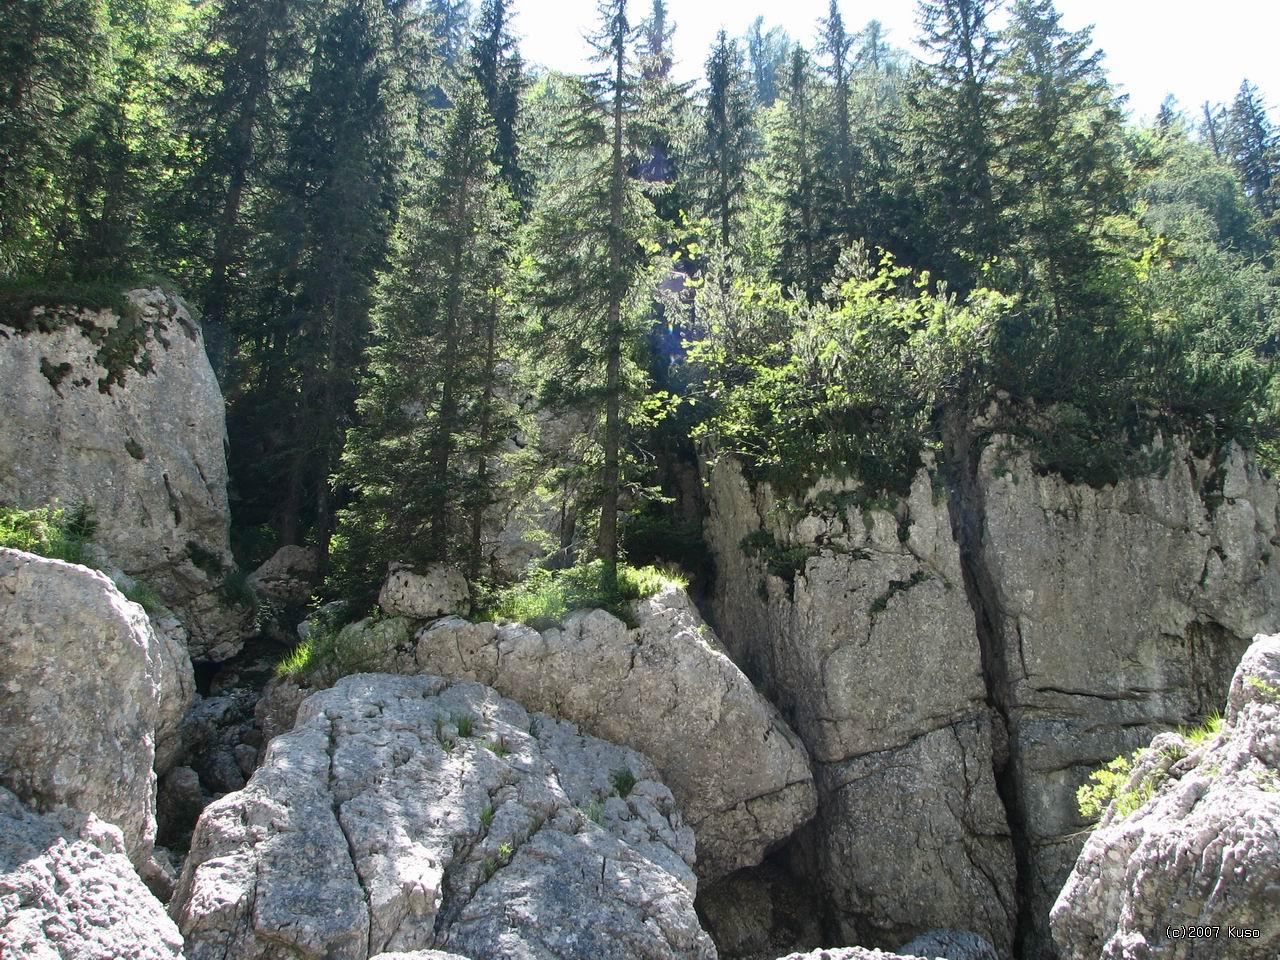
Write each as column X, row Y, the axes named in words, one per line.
column 1194, row 49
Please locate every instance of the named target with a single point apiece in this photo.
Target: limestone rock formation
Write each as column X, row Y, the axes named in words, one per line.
column 665, row 688
column 142, row 448
column 855, row 620
column 438, row 815
column 438, row 592
column 287, row 576
column 87, row 688
column 1194, row 871
column 67, row 890
column 1113, row 614
column 1042, row 627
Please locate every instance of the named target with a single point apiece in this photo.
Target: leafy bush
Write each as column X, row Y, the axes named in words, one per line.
column 1110, row 784
column 53, row 532
column 848, row 386
column 546, row 597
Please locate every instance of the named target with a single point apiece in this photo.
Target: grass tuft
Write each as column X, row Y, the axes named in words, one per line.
column 546, row 597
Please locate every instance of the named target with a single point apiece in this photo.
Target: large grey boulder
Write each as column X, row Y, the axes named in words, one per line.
column 438, row 815
column 438, row 591
column 854, row 618
column 1194, row 871
column 664, row 687
column 88, row 685
column 287, row 576
column 142, row 448
column 67, row 890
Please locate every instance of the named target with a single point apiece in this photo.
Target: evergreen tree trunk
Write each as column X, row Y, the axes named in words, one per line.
column 476, row 547
column 613, row 344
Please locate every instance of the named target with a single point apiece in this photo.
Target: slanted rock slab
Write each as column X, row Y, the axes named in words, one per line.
column 665, row 688
column 431, row 815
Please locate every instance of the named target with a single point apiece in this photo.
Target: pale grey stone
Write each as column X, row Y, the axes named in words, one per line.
column 67, row 890
column 438, row 591
column 666, row 688
column 506, row 843
column 1203, row 850
column 872, row 652
column 287, row 576
column 86, row 686
column 147, row 457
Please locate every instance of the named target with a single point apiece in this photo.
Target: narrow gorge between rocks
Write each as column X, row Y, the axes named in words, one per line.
column 517, row 480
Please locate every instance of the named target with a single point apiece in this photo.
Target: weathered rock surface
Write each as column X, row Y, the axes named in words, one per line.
column 951, row 945
column 665, row 688
column 1114, row 614
column 1061, row 624
column 849, row 953
column 510, row 842
column 145, row 453
column 438, row 592
column 67, row 890
column 287, row 576
column 1202, row 851
column 421, row 955
column 87, row 687
column 869, row 646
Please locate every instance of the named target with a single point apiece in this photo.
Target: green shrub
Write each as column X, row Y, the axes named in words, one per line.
column 624, row 781
column 53, row 532
column 546, row 597
column 1110, row 784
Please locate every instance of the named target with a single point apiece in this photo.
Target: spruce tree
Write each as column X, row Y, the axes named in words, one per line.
column 767, row 56
column 727, row 138
column 793, row 165
column 1062, row 154
column 325, row 237
column 419, row 461
column 51, row 65
column 1253, row 145
column 836, row 46
column 953, row 106
column 589, row 245
column 496, row 65
column 241, row 57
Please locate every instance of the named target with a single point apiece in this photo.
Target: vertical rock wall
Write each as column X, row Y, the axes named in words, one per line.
column 869, row 648
column 959, row 660
column 1112, row 615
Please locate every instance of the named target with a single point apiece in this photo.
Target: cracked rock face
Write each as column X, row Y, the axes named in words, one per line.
column 870, row 648
column 1202, row 851
column 87, row 687
column 1116, row 613
column 432, row 815
column 665, row 688
column 147, row 456
column 67, row 890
